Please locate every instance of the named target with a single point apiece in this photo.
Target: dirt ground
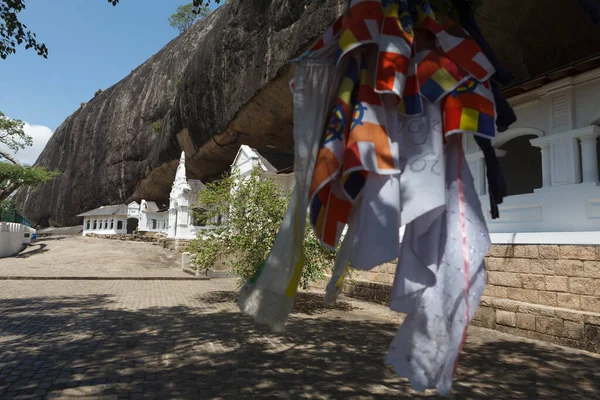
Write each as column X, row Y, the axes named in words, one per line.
column 77, row 256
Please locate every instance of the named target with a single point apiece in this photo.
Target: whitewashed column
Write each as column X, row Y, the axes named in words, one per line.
column 477, row 167
column 589, row 157
column 546, row 151
column 546, row 166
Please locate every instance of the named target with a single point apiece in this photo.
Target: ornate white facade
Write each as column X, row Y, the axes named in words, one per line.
column 184, row 195
column 153, row 218
column 550, row 157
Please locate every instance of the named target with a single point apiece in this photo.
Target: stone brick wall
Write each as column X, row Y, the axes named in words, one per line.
column 543, row 292
column 556, row 276
column 177, row 245
column 381, row 274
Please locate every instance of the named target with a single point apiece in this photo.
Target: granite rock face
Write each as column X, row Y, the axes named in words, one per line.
column 224, row 82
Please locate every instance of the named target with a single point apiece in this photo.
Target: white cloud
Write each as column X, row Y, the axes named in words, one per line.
column 40, row 134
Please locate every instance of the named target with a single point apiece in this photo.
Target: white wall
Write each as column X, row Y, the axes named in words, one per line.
column 560, row 106
column 162, row 220
column 103, row 225
column 13, row 238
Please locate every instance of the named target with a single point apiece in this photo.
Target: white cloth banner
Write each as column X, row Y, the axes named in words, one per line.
column 441, row 298
column 269, row 296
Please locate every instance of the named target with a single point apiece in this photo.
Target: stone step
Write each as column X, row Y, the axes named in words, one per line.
column 563, row 326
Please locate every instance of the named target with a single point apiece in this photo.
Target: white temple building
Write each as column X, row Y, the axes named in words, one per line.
column 550, row 161
column 111, row 220
column 176, row 219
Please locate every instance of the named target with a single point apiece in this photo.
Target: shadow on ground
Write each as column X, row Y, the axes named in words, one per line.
column 50, row 238
column 37, row 247
column 306, row 303
column 213, row 351
column 32, row 250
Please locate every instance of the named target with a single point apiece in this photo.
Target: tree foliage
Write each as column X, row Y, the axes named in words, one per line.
column 254, row 207
column 186, row 15
column 14, row 33
column 13, row 175
column 12, row 134
column 156, row 127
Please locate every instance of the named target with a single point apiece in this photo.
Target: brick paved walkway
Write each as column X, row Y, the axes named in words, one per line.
column 186, row 339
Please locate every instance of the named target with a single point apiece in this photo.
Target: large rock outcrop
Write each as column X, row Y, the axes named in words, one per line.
column 225, row 82
column 222, row 82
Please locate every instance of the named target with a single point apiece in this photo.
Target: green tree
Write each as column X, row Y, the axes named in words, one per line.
column 186, row 15
column 156, row 127
column 13, row 32
column 12, row 136
column 254, row 208
column 13, row 175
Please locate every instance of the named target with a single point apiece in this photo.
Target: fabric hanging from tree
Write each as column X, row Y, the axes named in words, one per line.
column 381, row 102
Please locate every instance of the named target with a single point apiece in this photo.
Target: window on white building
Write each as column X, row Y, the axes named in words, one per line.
column 112, row 224
column 119, row 225
column 95, row 224
column 153, row 224
column 522, row 165
column 87, row 224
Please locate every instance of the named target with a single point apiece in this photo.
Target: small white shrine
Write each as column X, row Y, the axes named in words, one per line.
column 183, row 197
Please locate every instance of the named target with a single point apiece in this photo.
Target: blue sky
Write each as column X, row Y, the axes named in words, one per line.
column 91, row 45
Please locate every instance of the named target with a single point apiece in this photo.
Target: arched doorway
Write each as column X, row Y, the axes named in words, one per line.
column 132, row 224
column 522, row 165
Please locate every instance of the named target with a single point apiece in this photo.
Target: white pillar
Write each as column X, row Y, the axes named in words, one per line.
column 546, row 166
column 481, row 181
column 476, row 163
column 172, row 226
column 589, row 158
